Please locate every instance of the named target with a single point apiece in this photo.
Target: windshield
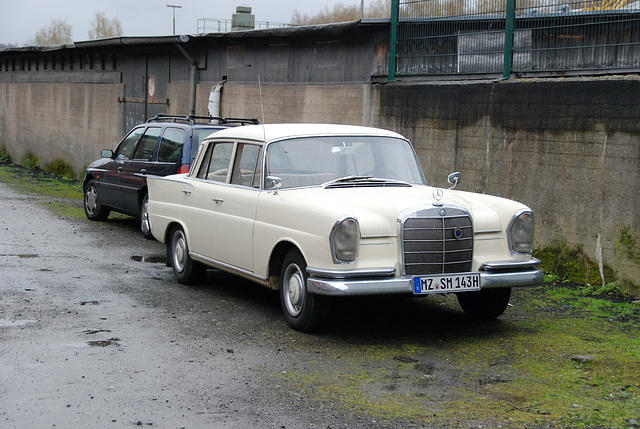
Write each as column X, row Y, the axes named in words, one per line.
column 313, row 161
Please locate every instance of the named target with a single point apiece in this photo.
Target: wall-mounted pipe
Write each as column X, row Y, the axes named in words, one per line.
column 194, row 69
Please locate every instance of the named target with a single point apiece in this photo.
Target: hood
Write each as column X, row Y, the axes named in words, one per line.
column 377, row 209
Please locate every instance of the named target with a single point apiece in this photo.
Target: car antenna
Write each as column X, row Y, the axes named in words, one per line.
column 264, row 133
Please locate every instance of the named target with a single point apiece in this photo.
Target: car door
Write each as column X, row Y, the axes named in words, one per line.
column 226, row 194
column 134, row 171
column 110, row 179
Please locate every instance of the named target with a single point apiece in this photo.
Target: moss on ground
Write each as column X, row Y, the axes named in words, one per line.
column 560, row 360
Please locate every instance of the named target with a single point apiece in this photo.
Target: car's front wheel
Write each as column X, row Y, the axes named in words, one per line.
column 145, row 226
column 93, row 208
column 302, row 310
column 186, row 270
column 485, row 304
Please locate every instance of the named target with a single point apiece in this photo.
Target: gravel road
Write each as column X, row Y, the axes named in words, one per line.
column 96, row 332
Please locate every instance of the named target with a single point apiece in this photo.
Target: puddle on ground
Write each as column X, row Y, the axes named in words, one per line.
column 156, row 259
column 95, row 331
column 15, row 323
column 104, row 343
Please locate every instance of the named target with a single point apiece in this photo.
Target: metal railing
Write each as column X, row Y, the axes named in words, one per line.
column 214, row 25
column 449, row 37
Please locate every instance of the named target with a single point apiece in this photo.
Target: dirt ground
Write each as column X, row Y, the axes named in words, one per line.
column 95, row 332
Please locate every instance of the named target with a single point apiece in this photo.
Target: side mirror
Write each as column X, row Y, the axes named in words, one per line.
column 453, row 179
column 106, row 153
column 272, row 183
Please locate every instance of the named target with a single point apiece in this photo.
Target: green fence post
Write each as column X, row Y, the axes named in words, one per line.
column 509, row 27
column 393, row 39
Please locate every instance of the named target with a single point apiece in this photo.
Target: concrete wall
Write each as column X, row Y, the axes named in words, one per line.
column 569, row 148
column 64, row 121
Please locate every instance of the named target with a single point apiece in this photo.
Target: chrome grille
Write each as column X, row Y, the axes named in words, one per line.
column 430, row 245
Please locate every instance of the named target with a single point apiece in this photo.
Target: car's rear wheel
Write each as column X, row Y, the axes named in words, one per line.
column 186, row 270
column 93, row 208
column 302, row 310
column 145, row 226
column 485, row 304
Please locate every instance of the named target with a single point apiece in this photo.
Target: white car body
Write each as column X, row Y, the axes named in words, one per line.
column 236, row 220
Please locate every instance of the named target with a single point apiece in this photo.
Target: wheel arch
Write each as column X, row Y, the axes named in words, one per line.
column 166, row 238
column 144, row 190
column 278, row 254
column 87, row 178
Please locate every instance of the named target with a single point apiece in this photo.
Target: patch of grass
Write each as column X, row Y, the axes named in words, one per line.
column 64, row 196
column 60, row 169
column 561, row 263
column 5, row 157
column 31, row 161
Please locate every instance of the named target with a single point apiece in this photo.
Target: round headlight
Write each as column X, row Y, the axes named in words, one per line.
column 344, row 240
column 521, row 231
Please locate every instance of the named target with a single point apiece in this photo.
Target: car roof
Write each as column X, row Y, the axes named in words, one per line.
column 270, row 132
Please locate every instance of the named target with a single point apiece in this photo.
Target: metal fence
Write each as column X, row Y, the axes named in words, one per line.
column 449, row 37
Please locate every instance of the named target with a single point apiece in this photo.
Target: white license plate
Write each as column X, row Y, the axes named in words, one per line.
column 445, row 283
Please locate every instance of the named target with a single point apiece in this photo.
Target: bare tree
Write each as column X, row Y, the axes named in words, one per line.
column 103, row 27
column 57, row 33
column 341, row 13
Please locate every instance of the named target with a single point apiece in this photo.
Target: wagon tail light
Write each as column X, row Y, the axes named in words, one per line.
column 184, row 168
column 520, row 232
column 345, row 240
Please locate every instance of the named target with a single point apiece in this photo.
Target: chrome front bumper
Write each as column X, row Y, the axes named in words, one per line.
column 494, row 275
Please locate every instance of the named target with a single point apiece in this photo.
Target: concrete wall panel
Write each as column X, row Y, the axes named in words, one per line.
column 69, row 122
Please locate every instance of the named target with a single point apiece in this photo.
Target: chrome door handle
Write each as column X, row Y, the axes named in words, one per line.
column 217, row 200
column 186, row 192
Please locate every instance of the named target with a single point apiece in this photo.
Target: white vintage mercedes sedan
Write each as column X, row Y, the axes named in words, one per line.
column 321, row 211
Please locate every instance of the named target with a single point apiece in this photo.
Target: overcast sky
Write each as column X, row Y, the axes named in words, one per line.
column 20, row 20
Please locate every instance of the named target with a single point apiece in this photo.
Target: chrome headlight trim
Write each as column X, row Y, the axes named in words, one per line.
column 344, row 240
column 521, row 231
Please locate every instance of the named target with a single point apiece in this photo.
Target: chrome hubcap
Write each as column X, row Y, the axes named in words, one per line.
column 179, row 253
column 295, row 290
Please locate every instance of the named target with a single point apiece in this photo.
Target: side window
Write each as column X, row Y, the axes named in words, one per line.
column 244, row 166
column 171, row 145
column 218, row 166
column 204, row 167
column 144, row 150
column 126, row 146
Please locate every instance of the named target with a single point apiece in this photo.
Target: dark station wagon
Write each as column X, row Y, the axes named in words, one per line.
column 162, row 146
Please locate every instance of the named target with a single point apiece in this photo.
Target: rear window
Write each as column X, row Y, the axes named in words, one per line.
column 198, row 136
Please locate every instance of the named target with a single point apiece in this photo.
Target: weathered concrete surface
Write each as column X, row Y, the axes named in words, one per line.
column 93, row 338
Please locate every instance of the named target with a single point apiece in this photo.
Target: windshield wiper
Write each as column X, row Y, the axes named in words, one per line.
column 364, row 181
column 346, row 179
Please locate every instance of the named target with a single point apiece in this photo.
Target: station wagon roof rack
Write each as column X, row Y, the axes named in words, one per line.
column 191, row 119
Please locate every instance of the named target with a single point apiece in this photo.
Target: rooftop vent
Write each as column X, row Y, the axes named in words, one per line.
column 243, row 19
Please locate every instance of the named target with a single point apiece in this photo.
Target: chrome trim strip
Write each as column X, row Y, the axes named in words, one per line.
column 510, row 265
column 228, row 268
column 351, row 274
column 404, row 284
